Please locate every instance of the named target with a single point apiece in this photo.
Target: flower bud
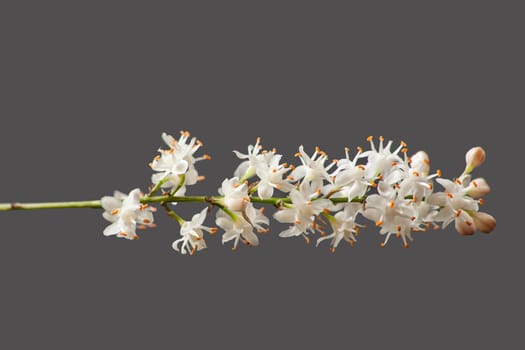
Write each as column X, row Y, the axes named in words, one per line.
column 484, row 222
column 420, row 163
column 478, row 188
column 474, row 158
column 465, row 227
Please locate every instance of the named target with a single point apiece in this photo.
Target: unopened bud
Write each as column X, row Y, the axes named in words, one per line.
column 420, row 163
column 478, row 188
column 474, row 158
column 484, row 222
column 465, row 227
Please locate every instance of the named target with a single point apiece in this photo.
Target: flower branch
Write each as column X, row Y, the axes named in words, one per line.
column 393, row 190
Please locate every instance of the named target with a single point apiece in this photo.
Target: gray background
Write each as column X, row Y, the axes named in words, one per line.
column 86, row 91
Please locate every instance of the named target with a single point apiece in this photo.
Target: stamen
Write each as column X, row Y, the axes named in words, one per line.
column 370, row 138
column 381, row 138
column 115, row 211
column 458, row 212
column 430, row 186
column 403, row 143
column 147, row 221
column 206, row 156
column 426, row 161
column 474, row 183
column 379, row 223
column 359, row 149
column 450, row 195
column 415, row 173
column 438, row 172
column 201, row 178
column 307, row 239
column 391, row 204
column 213, row 230
column 481, row 201
column 193, row 250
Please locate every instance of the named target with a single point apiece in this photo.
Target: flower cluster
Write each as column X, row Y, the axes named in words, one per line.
column 316, row 197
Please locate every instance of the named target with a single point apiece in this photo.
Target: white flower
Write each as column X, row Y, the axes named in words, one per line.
column 256, row 218
column 246, row 169
column 312, row 168
column 382, row 160
column 302, row 211
column 347, row 180
column 125, row 212
column 392, row 215
column 270, row 173
column 192, row 236
column 343, row 225
column 455, row 204
column 176, row 166
column 410, row 178
column 236, row 228
column 235, row 194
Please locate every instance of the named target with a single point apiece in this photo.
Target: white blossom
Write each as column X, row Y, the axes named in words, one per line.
column 192, row 239
column 305, row 205
column 175, row 166
column 312, row 169
column 343, row 225
column 125, row 212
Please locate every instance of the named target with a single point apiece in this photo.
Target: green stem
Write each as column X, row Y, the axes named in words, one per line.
column 173, row 214
column 153, row 199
